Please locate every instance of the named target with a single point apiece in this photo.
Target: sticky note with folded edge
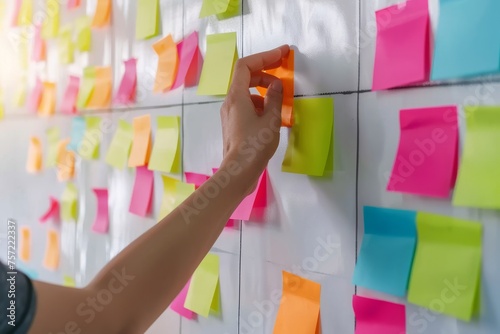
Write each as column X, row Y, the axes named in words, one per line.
column 65, row 44
column 449, row 253
column 386, row 255
column 169, row 196
column 39, row 45
column 427, row 157
column 213, row 7
column 286, row 73
column 68, row 105
column 52, row 251
column 86, row 87
column 147, row 19
column 219, row 62
column 299, row 310
column 35, row 96
column 204, row 294
column 478, row 182
column 233, row 9
column 378, row 317
column 25, row 243
column 91, row 141
column 103, row 87
column 190, row 62
column 178, row 303
column 165, row 156
column 47, row 105
column 26, row 13
column 101, row 221
column 168, row 64
column 83, row 34
column 140, row 203
column 127, row 90
column 141, row 144
column 119, row 149
column 102, row 16
column 50, row 27
column 53, row 136
column 310, row 145
column 52, row 212
column 257, row 199
column 65, row 161
column 34, row 161
column 69, row 203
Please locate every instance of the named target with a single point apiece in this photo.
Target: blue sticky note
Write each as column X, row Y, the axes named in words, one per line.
column 386, row 255
column 77, row 132
column 31, row 273
column 467, row 42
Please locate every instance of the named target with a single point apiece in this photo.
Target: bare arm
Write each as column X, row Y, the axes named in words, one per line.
column 142, row 280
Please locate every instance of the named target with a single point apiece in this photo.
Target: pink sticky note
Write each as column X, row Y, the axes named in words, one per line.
column 72, row 4
column 52, row 212
column 35, row 96
column 190, row 62
column 140, row 204
column 39, row 47
column 178, row 303
column 427, row 157
column 402, row 54
column 68, row 105
column 196, row 179
column 378, row 317
column 15, row 13
column 101, row 222
column 126, row 91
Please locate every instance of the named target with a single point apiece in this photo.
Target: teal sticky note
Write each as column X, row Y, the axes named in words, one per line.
column 386, row 254
column 467, row 40
column 77, row 132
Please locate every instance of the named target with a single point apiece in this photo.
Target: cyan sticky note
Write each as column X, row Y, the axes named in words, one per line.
column 386, row 254
column 77, row 132
column 467, row 40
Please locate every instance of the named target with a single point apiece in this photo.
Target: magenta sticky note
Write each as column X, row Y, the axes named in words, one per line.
column 101, row 222
column 15, row 13
column 196, row 179
column 177, row 304
column 39, row 47
column 68, row 105
column 35, row 96
column 402, row 55
column 140, row 203
column 257, row 199
column 127, row 89
column 190, row 62
column 378, row 317
column 52, row 212
column 427, row 157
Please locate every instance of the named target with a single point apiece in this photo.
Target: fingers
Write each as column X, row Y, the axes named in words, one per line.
column 274, row 99
column 261, row 79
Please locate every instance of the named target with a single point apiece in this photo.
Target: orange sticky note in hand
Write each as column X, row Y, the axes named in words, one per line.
column 286, row 73
column 141, row 145
column 168, row 64
column 102, row 16
column 51, row 259
column 47, row 106
column 103, row 86
column 65, row 161
column 34, row 163
column 25, row 244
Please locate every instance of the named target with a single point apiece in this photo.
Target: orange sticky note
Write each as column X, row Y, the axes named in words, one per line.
column 65, row 161
column 103, row 86
column 25, row 244
column 299, row 310
column 286, row 73
column 168, row 64
column 141, row 144
column 34, row 163
column 102, row 14
column 47, row 106
column 51, row 259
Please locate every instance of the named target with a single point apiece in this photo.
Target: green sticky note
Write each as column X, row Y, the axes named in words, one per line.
column 69, row 281
column 219, row 63
column 213, row 7
column 478, row 181
column 202, row 294
column 83, row 34
column 90, row 144
column 53, row 137
column 50, row 28
column 310, row 145
column 445, row 277
column 182, row 192
column 86, row 87
column 66, row 52
column 165, row 156
column 69, row 200
column 169, row 194
column 233, row 9
column 119, row 149
column 147, row 22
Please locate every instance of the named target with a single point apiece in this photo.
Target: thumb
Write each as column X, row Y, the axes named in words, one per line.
column 274, row 99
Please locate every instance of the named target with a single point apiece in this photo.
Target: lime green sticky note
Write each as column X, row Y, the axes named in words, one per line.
column 478, row 181
column 69, row 200
column 83, row 34
column 91, row 141
column 165, row 156
column 212, row 7
column 65, row 43
column 86, row 87
column 147, row 22
column 26, row 13
column 121, row 143
column 310, row 145
column 201, row 296
column 169, row 194
column 50, row 27
column 53, row 138
column 233, row 9
column 182, row 192
column 219, row 63
column 69, row 281
column 446, row 269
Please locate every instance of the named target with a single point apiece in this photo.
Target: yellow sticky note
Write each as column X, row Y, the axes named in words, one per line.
column 102, row 14
column 202, row 296
column 83, row 34
column 69, row 201
column 141, row 145
column 65, row 44
column 310, row 145
column 47, row 106
column 103, row 85
column 51, row 259
column 182, row 192
column 169, row 194
column 90, row 144
column 168, row 63
column 34, row 163
column 26, row 13
column 69, row 281
column 25, row 243
column 165, row 156
column 219, row 62
column 50, row 27
column 222, row 8
column 53, row 137
column 119, row 149
column 65, row 161
column 147, row 19
column 86, row 87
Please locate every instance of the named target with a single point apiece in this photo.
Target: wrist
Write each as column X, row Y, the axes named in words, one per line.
column 244, row 171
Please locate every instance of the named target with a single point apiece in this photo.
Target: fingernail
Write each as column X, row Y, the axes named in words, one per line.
column 277, row 86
